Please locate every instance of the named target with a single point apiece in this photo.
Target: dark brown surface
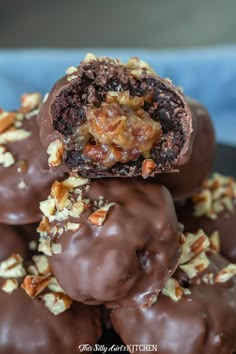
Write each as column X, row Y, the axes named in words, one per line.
column 202, row 322
column 225, row 163
column 26, row 325
column 69, row 100
column 15, row 239
column 188, row 180
column 21, row 206
column 128, row 259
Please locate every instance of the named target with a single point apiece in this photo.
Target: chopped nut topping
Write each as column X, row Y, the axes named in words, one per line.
column 37, row 279
column 45, row 247
column 62, row 209
column 44, row 226
column 57, row 302
column 48, row 207
column 99, row 216
column 71, row 70
column 54, row 286
column 42, row 264
column 22, row 166
column 138, row 67
column 55, row 151
column 73, row 226
column 174, row 290
column 56, row 248
column 30, row 101
column 196, row 265
column 33, row 245
column 89, row 57
column 74, row 182
column 32, row 270
column 148, row 166
column 6, row 158
column 60, row 194
column 72, row 73
column 193, row 245
column 6, row 120
column 10, row 285
column 218, row 194
column 215, row 241
column 226, row 273
column 208, row 278
column 12, row 135
column 12, row 267
column 22, row 185
column 35, row 284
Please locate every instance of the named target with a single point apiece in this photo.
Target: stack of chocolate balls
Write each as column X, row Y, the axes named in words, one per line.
column 130, row 218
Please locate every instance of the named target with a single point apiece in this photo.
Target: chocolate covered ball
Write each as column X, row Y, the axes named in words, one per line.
column 113, row 241
column 107, row 119
column 213, row 209
column 27, row 327
column 24, row 175
column 190, row 318
column 36, row 315
column 189, row 177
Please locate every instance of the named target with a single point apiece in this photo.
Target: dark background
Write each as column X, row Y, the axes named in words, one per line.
column 117, row 23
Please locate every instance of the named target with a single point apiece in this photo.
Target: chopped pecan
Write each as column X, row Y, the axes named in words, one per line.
column 99, row 216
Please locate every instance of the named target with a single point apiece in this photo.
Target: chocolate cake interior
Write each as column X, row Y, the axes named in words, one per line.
column 141, row 109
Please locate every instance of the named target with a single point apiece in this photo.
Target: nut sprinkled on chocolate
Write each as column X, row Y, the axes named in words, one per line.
column 66, row 201
column 24, row 173
column 217, row 194
column 111, row 116
column 15, row 273
column 118, row 239
column 188, row 317
column 213, row 209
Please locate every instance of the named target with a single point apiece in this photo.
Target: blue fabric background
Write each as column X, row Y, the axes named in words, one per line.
column 208, row 75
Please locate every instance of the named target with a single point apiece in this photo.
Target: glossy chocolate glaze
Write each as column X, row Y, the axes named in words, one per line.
column 128, row 259
column 21, row 205
column 202, row 322
column 188, row 180
column 27, row 326
column 133, row 168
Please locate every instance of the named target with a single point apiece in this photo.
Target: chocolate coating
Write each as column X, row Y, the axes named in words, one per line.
column 65, row 112
column 225, row 224
column 21, row 205
column 128, row 259
column 27, row 327
column 10, row 242
column 189, row 179
column 202, row 322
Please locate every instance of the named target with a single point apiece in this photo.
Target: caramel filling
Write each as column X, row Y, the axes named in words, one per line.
column 119, row 130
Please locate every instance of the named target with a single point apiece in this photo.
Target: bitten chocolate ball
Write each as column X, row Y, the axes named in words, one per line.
column 113, row 241
column 189, row 177
column 213, row 209
column 195, row 317
column 107, row 119
column 36, row 315
column 24, row 175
